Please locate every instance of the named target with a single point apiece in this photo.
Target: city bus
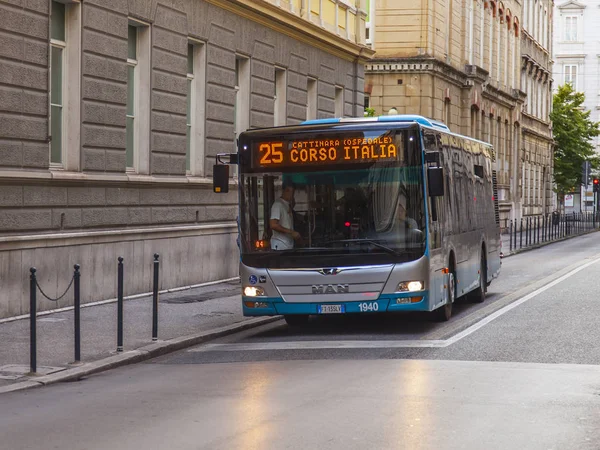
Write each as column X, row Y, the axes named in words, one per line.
column 384, row 214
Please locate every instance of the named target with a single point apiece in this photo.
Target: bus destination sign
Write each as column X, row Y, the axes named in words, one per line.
column 326, row 152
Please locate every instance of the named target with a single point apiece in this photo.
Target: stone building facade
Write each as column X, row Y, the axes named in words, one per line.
column 482, row 69
column 576, row 53
column 111, row 114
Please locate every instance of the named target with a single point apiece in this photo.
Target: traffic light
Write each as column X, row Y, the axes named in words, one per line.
column 596, row 183
column 586, row 173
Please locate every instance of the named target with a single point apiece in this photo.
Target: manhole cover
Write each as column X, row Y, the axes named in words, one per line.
column 16, row 371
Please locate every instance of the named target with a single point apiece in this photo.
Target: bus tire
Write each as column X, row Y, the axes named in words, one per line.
column 478, row 295
column 296, row 320
column 443, row 313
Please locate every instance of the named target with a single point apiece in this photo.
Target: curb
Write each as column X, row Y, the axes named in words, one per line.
column 544, row 244
column 138, row 355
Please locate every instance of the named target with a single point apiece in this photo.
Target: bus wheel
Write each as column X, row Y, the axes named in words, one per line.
column 296, row 320
column 478, row 295
column 444, row 313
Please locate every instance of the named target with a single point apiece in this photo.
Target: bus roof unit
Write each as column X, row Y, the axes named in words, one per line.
column 394, row 118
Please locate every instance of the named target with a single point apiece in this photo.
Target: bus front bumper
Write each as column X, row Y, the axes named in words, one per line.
column 269, row 306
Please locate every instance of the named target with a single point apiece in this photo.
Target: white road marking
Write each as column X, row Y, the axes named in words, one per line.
column 360, row 344
column 483, row 322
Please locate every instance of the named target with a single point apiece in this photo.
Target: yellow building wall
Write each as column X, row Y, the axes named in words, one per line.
column 329, row 12
column 315, row 8
column 398, row 27
column 342, row 19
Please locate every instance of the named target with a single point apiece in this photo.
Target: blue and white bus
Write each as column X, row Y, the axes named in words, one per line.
column 385, row 214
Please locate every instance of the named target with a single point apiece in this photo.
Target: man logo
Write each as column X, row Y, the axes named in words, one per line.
column 330, row 289
column 329, row 271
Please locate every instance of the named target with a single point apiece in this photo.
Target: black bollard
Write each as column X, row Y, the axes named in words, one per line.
column 77, row 309
column 120, row 306
column 521, row 235
column 32, row 321
column 155, row 300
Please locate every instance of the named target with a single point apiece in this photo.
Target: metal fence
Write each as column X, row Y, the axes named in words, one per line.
column 530, row 231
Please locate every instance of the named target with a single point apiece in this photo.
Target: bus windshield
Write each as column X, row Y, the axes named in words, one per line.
column 336, row 213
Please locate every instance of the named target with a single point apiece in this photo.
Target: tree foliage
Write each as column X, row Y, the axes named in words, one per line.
column 573, row 132
column 369, row 112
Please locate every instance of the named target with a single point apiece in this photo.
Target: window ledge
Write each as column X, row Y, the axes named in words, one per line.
column 109, row 178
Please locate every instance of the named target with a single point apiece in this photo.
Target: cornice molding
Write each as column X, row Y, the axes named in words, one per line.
column 572, row 5
column 290, row 24
column 418, row 64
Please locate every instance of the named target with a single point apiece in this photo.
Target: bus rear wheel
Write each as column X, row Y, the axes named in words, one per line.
column 296, row 320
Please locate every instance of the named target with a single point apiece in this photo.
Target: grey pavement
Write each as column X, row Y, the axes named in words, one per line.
column 528, row 379
column 182, row 313
column 327, row 404
column 521, row 242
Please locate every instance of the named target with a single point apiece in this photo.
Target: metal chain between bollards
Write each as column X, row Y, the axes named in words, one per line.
column 55, row 299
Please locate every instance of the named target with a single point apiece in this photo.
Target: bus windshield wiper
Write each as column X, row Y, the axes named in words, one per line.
column 387, row 249
column 298, row 250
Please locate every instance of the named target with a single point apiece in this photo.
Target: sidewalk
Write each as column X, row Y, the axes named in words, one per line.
column 506, row 251
column 192, row 315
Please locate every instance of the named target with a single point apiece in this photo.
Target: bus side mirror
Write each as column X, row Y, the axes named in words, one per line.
column 435, row 181
column 221, row 178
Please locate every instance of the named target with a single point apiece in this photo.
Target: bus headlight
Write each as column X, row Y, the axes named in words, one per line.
column 410, row 286
column 254, row 291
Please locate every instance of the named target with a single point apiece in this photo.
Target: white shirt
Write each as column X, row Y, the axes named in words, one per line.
column 282, row 212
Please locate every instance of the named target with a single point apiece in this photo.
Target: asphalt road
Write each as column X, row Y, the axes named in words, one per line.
column 521, row 371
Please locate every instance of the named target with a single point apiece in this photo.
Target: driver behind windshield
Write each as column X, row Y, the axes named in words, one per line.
column 282, row 220
column 406, row 222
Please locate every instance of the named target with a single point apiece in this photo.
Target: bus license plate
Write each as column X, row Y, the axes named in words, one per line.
column 331, row 309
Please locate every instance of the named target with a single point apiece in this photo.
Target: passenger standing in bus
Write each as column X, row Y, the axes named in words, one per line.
column 282, row 220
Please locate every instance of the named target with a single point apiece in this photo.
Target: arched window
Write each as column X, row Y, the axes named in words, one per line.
column 545, row 28
column 492, row 37
column 508, row 43
column 515, row 64
column 500, row 47
column 474, row 122
column 535, row 20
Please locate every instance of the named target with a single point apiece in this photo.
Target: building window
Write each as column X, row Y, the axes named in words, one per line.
column 242, row 95
column 570, row 74
column 339, row 101
column 571, row 28
column 311, row 106
column 137, row 127
column 474, row 128
column 370, row 23
column 446, row 115
column 58, row 43
column 196, row 109
column 190, row 102
column 280, row 112
column 132, row 62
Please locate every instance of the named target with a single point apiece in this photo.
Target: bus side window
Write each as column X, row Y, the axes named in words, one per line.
column 436, row 224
